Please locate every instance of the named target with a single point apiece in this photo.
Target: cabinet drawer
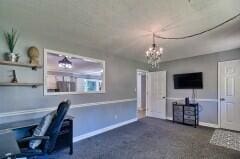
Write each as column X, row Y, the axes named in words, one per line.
column 188, row 112
column 178, row 108
column 178, row 113
column 178, row 119
column 187, row 108
column 189, row 117
column 192, row 122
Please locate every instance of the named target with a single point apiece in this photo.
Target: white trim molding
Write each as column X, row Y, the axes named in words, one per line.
column 169, row 118
column 209, row 125
column 34, row 111
column 201, row 123
column 145, row 72
column 102, row 130
column 219, row 102
column 198, row 99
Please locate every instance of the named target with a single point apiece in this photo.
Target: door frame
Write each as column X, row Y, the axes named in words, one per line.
column 219, row 91
column 146, row 72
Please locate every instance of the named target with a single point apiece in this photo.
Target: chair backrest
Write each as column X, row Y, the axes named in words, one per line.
column 56, row 124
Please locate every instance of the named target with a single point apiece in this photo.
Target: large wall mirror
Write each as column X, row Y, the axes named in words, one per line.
column 66, row 73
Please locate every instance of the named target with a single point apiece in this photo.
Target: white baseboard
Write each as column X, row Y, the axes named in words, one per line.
column 201, row 123
column 169, row 118
column 208, row 125
column 99, row 131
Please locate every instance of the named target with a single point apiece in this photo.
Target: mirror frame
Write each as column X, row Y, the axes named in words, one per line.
column 45, row 69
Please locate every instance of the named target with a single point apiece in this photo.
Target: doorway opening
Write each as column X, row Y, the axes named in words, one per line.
column 141, row 93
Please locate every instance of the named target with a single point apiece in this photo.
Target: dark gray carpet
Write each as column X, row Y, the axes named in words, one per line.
column 151, row 138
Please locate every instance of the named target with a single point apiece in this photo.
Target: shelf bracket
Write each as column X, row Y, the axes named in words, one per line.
column 34, row 68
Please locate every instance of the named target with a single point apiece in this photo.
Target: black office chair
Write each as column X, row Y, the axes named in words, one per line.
column 50, row 137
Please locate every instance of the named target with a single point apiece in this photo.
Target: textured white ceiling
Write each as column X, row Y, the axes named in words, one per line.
column 124, row 27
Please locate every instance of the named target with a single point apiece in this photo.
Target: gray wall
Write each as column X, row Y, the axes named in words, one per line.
column 208, row 64
column 120, row 84
column 93, row 118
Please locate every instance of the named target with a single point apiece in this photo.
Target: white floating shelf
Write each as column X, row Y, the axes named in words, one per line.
column 34, row 85
column 9, row 63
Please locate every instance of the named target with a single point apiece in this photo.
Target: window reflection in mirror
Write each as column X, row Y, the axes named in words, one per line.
column 71, row 74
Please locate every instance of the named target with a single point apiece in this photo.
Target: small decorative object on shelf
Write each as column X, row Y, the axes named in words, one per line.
column 12, row 57
column 11, row 39
column 33, row 54
column 14, row 80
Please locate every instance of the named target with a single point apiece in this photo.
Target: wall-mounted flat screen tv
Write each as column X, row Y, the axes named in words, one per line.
column 188, row 81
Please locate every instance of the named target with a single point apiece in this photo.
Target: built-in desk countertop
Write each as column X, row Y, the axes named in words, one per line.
column 24, row 123
column 64, row 139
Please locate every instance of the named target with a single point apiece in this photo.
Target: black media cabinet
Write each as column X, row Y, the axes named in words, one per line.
column 186, row 114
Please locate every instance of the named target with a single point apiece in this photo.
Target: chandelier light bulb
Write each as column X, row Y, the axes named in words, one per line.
column 161, row 50
column 147, row 53
column 154, row 54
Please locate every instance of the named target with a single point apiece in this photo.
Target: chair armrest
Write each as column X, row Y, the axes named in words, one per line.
column 33, row 138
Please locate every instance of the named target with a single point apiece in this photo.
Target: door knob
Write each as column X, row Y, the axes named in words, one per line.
column 163, row 97
column 222, row 99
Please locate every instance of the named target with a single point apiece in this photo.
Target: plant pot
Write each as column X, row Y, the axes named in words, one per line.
column 12, row 57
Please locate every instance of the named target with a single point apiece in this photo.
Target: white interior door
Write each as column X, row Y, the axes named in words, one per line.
column 156, row 94
column 229, row 94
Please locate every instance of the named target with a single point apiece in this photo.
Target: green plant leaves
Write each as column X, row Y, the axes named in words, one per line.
column 11, row 39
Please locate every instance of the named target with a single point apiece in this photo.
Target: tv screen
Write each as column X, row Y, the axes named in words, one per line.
column 188, row 81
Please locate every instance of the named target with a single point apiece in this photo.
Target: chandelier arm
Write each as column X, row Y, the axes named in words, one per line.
column 153, row 38
column 202, row 32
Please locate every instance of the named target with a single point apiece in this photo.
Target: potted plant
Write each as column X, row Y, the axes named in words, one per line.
column 11, row 39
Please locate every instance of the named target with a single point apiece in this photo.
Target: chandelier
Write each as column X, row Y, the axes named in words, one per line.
column 154, row 54
column 65, row 63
